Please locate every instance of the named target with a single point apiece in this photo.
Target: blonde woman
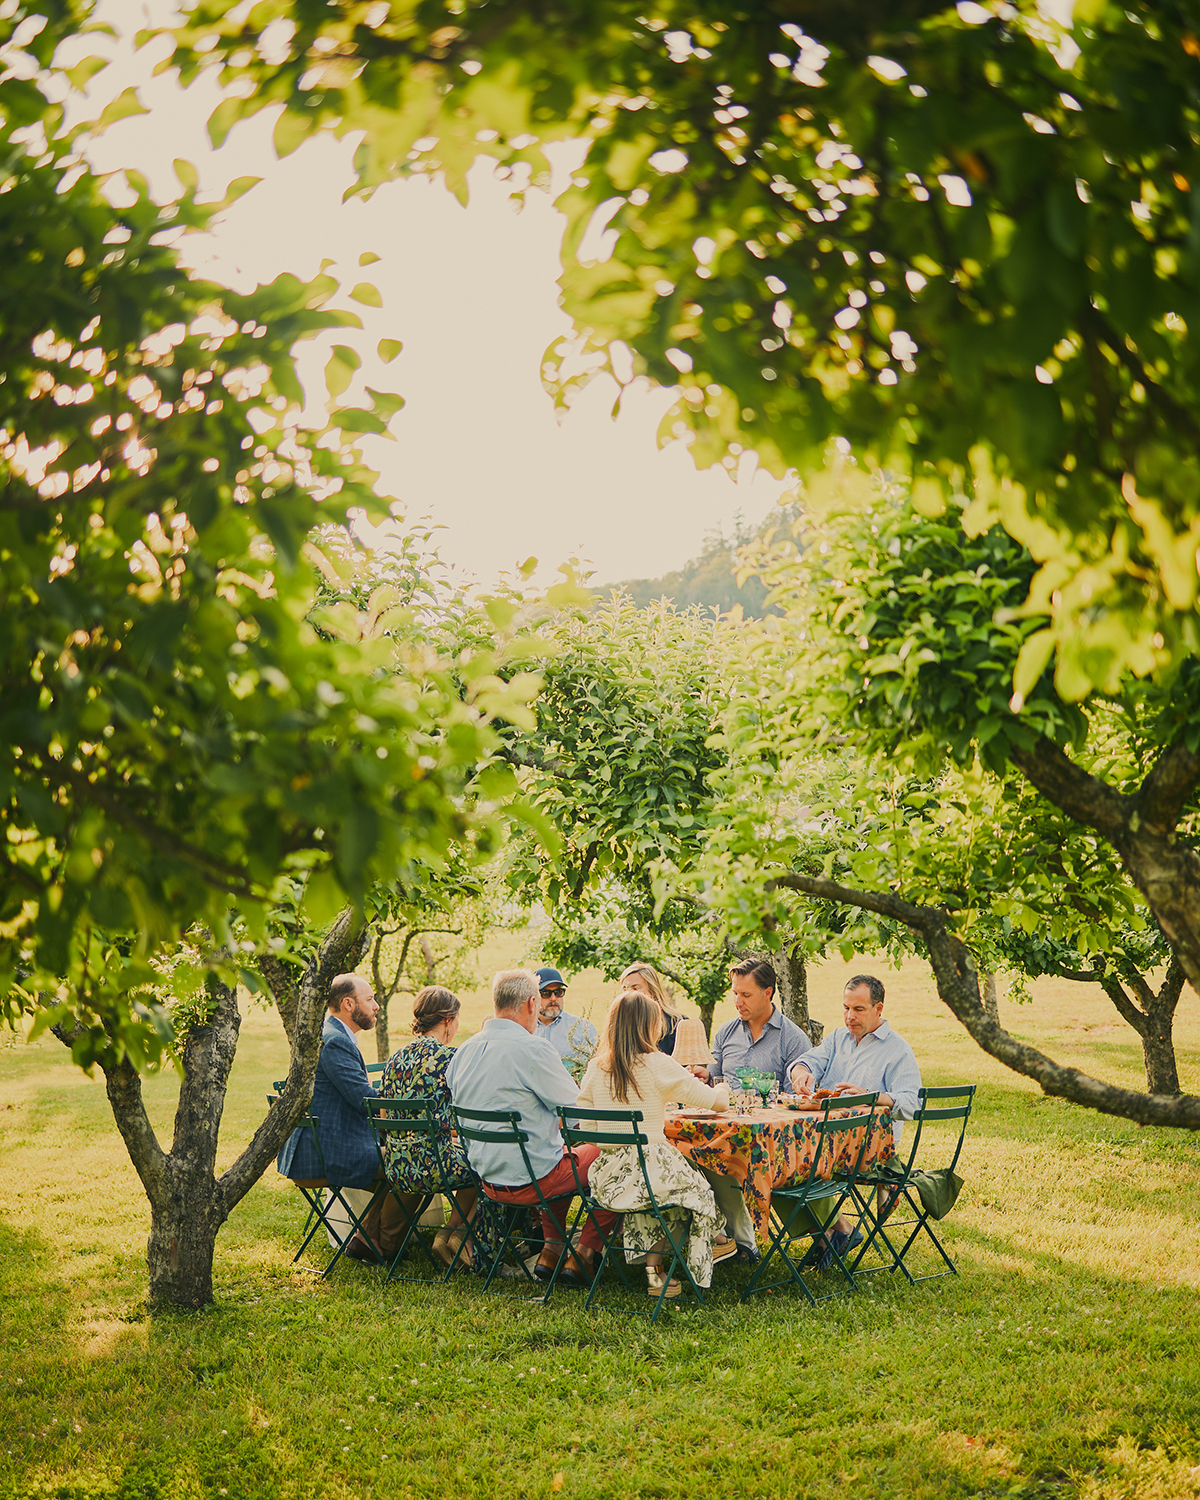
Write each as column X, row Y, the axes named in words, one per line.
column 629, row 1072
column 646, row 980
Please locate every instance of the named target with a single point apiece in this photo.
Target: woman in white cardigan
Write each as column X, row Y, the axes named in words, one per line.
column 629, row 1072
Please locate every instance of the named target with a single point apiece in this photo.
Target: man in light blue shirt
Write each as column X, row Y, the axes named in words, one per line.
column 574, row 1038
column 508, row 1067
column 864, row 1056
column 761, row 1037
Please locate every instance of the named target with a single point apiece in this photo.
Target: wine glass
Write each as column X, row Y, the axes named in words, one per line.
column 764, row 1083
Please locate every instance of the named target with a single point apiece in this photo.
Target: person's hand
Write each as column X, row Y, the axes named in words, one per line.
column 700, row 1072
column 846, row 1088
column 801, row 1081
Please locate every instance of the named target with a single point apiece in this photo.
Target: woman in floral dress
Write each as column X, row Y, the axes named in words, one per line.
column 628, row 1071
column 419, row 1071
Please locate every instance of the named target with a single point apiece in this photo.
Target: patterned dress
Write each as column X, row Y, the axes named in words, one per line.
column 419, row 1071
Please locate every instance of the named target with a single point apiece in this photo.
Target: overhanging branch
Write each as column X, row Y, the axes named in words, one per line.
column 958, row 986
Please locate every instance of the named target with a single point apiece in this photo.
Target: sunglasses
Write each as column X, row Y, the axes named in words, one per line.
column 554, row 991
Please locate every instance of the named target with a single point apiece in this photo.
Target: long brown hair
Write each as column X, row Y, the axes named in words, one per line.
column 632, row 1028
column 657, row 986
column 432, row 1006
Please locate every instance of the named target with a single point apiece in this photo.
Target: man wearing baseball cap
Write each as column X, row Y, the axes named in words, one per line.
column 570, row 1036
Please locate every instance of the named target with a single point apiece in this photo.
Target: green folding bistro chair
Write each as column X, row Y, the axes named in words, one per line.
column 589, row 1135
column 376, row 1067
column 318, row 1207
column 907, row 1184
column 412, row 1118
column 804, row 1209
column 496, row 1127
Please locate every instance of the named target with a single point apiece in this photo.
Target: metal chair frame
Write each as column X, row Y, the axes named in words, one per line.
column 574, row 1136
column 313, row 1187
column 503, row 1128
column 412, row 1116
column 901, row 1187
column 815, row 1188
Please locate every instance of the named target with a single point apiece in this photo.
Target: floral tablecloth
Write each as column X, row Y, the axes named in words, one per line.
column 773, row 1147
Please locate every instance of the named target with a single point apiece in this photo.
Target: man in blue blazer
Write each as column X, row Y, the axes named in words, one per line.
column 339, row 1089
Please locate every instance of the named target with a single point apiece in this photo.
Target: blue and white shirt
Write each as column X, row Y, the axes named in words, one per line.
column 781, row 1044
column 880, row 1062
column 505, row 1068
column 570, row 1036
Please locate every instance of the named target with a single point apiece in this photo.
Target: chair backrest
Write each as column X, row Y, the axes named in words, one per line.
column 494, row 1127
column 309, row 1121
column 848, row 1101
column 583, row 1135
column 376, row 1067
column 829, row 1132
column 923, row 1114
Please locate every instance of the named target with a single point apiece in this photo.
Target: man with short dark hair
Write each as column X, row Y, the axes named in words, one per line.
column 508, row 1066
column 574, row 1038
column 863, row 1056
column 761, row 1037
column 339, row 1089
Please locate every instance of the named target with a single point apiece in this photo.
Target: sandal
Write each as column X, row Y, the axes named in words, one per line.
column 726, row 1251
column 655, row 1278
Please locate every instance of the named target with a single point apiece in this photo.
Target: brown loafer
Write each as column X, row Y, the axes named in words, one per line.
column 577, row 1270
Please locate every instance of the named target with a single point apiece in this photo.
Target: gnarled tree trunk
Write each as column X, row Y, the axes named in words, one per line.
column 188, row 1202
column 1153, row 1021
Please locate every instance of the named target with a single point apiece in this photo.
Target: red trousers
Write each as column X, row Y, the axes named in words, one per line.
column 560, row 1181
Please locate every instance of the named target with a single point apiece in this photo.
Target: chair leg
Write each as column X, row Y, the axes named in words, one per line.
column 781, row 1237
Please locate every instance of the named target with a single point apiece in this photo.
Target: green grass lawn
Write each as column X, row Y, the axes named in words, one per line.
column 1062, row 1362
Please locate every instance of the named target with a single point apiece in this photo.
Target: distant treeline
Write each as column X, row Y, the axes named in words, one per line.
column 711, row 579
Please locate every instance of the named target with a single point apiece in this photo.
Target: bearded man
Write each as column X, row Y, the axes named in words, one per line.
column 339, row 1091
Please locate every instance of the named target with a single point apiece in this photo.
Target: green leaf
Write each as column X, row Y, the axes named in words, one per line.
column 125, row 104
column 84, row 70
column 368, row 257
column 368, row 295
column 388, row 349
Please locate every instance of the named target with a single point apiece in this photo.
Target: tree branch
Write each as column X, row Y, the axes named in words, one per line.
column 1084, row 797
column 124, row 1088
column 1170, row 782
column 958, row 986
column 343, row 941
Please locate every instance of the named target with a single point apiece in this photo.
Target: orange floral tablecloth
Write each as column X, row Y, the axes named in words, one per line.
column 773, row 1147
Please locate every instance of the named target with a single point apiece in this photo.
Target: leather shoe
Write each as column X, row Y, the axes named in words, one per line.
column 358, row 1249
column 576, row 1271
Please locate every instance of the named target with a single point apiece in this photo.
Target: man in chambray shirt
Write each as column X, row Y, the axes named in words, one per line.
column 760, row 1036
column 507, row 1066
column 864, row 1056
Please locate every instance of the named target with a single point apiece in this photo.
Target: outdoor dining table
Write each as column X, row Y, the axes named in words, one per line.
column 745, row 1156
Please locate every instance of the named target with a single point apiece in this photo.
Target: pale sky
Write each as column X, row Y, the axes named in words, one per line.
column 471, row 293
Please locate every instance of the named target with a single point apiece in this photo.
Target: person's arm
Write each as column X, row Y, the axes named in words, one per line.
column 795, row 1047
column 688, row 1090
column 902, row 1079
column 806, row 1074
column 544, row 1073
column 718, row 1043
column 344, row 1068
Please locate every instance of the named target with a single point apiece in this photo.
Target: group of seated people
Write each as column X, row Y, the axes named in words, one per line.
column 516, row 1063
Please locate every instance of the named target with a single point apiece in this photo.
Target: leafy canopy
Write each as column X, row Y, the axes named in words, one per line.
column 958, row 239
column 175, row 735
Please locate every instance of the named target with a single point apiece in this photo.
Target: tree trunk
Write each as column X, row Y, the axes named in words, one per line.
column 990, row 1002
column 793, row 992
column 1158, row 1050
column 188, row 1202
column 1153, row 1020
column 430, row 960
